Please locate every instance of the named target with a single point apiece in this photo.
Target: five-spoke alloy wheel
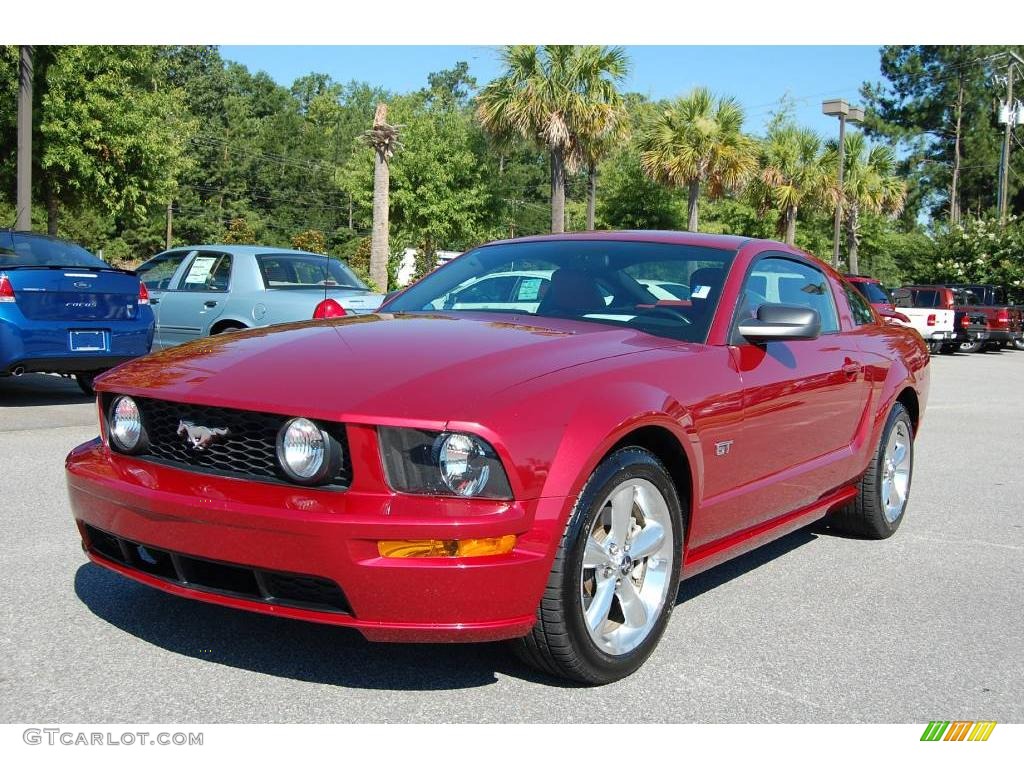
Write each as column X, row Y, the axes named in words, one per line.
column 613, row 583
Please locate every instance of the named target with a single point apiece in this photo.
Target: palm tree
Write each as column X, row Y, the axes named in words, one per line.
column 553, row 95
column 793, row 174
column 870, row 184
column 384, row 139
column 599, row 140
column 698, row 142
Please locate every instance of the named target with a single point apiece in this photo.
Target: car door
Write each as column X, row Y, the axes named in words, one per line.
column 157, row 275
column 803, row 400
column 196, row 298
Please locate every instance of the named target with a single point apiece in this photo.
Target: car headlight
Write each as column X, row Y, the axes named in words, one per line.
column 125, row 429
column 307, row 453
column 442, row 463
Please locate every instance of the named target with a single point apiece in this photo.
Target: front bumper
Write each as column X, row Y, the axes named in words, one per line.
column 330, row 536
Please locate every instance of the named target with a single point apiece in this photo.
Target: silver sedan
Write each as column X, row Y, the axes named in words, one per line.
column 200, row 290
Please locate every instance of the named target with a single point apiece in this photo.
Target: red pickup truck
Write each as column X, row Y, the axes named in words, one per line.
column 1005, row 324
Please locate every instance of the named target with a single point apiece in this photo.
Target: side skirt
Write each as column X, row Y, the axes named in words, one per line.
column 736, row 544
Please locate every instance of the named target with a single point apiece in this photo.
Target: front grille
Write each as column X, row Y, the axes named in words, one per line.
column 272, row 587
column 248, row 450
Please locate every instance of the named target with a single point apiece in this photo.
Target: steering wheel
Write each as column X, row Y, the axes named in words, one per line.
column 673, row 312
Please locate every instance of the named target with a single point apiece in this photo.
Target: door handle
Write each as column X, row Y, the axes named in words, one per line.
column 210, row 304
column 154, row 301
column 851, row 368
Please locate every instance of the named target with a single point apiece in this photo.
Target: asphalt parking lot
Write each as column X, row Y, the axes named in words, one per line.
column 925, row 626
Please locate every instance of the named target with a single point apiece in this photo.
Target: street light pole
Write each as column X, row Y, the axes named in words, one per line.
column 1003, row 190
column 839, row 108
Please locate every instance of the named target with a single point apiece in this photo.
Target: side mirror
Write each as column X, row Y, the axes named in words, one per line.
column 781, row 322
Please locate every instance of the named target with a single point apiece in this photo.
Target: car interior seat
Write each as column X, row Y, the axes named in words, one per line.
column 572, row 292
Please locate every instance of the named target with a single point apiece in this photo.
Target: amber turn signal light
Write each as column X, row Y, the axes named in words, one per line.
column 496, row 545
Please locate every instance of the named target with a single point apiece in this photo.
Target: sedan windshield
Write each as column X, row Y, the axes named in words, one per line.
column 296, row 270
column 18, row 249
column 663, row 289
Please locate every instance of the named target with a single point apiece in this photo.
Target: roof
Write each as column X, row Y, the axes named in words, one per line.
column 722, row 242
column 243, row 249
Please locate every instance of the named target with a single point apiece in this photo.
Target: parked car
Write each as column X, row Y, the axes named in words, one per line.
column 938, row 327
column 1004, row 323
column 203, row 290
column 872, row 290
column 542, row 475
column 970, row 327
column 63, row 310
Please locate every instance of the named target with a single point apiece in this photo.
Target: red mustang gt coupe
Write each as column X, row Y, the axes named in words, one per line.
column 534, row 443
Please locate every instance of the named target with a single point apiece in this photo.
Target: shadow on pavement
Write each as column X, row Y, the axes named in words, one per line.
column 297, row 650
column 39, row 389
column 329, row 655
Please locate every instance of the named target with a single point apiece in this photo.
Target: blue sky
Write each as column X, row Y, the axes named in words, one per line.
column 757, row 75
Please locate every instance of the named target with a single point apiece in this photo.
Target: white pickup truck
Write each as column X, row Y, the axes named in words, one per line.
column 936, row 326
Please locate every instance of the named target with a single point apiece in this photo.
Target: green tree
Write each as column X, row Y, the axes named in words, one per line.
column 937, row 106
column 698, row 143
column 792, row 174
column 107, row 130
column 551, row 95
column 870, row 185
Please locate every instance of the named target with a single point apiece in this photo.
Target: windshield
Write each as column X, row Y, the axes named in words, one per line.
column 663, row 289
column 872, row 292
column 22, row 249
column 294, row 270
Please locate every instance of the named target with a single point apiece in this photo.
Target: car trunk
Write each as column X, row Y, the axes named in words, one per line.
column 75, row 293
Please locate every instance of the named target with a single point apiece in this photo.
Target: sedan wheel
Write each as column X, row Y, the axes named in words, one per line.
column 613, row 583
column 972, row 346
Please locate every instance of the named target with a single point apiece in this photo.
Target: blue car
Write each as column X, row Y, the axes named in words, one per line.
column 63, row 310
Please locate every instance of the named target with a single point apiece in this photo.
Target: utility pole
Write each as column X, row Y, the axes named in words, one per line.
column 1004, row 169
column 23, row 220
column 842, row 110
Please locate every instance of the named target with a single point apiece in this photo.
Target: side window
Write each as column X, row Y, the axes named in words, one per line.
column 156, row 274
column 859, row 308
column 207, row 272
column 780, row 280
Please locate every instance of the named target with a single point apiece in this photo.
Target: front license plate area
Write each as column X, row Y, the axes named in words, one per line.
column 88, row 341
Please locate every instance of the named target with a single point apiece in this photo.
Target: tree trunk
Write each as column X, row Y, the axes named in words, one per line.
column 954, row 202
column 852, row 239
column 557, row 191
column 349, row 211
column 52, row 211
column 791, row 225
column 170, row 225
column 693, row 200
column 379, row 247
column 591, row 194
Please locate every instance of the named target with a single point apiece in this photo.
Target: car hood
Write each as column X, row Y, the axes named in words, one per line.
column 381, row 367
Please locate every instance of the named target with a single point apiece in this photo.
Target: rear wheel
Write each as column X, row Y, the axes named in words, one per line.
column 85, row 381
column 972, row 346
column 1018, row 344
column 884, row 490
column 613, row 583
column 935, row 347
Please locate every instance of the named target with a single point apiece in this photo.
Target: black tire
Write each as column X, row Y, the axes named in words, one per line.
column 935, row 347
column 1018, row 344
column 972, row 346
column 560, row 643
column 85, row 381
column 866, row 516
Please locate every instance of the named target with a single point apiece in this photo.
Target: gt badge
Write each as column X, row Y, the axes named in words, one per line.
column 722, row 448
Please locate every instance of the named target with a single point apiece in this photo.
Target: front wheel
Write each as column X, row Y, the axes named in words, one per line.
column 615, row 575
column 884, row 490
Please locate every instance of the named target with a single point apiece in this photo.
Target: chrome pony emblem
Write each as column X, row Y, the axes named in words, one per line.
column 199, row 437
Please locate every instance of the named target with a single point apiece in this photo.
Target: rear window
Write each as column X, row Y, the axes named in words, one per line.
column 19, row 249
column 290, row 270
column 872, row 292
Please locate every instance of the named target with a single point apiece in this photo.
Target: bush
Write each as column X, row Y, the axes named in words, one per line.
column 311, row 240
